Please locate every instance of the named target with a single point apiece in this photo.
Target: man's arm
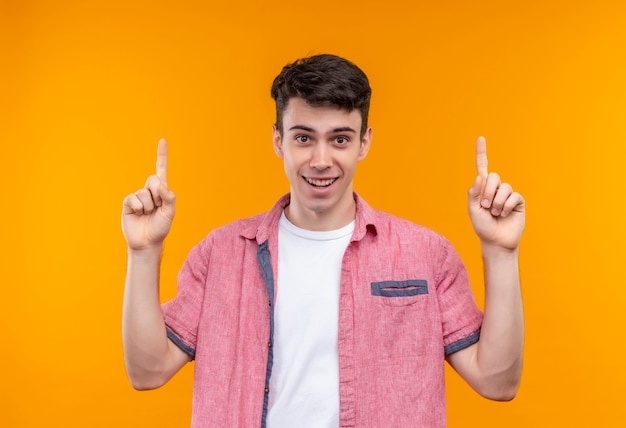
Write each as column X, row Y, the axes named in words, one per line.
column 493, row 365
column 151, row 358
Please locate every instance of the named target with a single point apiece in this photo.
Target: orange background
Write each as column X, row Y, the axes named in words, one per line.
column 88, row 87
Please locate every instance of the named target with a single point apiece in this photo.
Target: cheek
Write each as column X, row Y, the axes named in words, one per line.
column 294, row 160
column 288, row 164
column 349, row 163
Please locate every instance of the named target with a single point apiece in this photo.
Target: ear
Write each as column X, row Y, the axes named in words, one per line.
column 277, row 141
column 366, row 141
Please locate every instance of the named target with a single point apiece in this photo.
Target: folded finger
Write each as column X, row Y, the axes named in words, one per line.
column 499, row 200
column 514, row 202
column 132, row 204
column 153, row 183
column 145, row 198
column 490, row 189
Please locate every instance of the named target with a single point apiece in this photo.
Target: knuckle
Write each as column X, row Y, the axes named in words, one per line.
column 152, row 181
column 137, row 207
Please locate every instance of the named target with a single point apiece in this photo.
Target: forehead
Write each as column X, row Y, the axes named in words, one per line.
column 300, row 112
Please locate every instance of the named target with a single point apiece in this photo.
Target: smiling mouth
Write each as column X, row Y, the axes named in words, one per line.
column 320, row 183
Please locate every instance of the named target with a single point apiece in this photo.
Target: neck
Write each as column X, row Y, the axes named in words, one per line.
column 321, row 219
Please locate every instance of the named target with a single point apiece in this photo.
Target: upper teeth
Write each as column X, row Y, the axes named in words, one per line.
column 320, row 183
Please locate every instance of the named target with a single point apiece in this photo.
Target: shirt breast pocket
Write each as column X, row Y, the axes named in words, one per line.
column 400, row 293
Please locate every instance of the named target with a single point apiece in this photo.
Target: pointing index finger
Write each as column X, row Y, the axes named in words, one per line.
column 481, row 157
column 161, row 163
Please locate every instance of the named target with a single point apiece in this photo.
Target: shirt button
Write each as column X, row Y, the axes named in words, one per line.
column 267, row 390
column 269, row 344
column 269, row 302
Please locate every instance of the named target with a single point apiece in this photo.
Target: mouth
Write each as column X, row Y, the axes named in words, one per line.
column 320, row 183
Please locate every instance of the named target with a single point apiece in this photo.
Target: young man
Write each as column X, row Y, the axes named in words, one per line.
column 324, row 312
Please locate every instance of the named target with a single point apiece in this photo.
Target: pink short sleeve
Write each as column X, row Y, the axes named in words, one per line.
column 461, row 318
column 182, row 313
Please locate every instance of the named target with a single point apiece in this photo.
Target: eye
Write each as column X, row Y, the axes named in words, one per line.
column 342, row 140
column 302, row 138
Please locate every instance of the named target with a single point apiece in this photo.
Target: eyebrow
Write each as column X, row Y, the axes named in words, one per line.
column 309, row 129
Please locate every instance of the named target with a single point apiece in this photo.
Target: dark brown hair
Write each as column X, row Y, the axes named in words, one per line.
column 322, row 80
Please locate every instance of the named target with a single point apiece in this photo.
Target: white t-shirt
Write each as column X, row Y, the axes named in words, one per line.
column 304, row 386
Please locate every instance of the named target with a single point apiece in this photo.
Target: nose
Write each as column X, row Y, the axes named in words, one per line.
column 321, row 157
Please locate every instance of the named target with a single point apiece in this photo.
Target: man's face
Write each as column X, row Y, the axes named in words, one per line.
column 320, row 147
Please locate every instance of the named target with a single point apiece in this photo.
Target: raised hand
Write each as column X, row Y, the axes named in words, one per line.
column 496, row 211
column 147, row 214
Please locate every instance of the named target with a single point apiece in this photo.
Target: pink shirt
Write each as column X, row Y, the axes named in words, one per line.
column 405, row 302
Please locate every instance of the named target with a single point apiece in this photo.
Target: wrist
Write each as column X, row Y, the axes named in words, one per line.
column 149, row 252
column 492, row 251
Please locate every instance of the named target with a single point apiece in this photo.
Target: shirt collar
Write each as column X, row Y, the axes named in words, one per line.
column 267, row 224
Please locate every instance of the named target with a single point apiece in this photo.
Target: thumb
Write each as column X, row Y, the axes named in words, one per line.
column 476, row 190
column 169, row 199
